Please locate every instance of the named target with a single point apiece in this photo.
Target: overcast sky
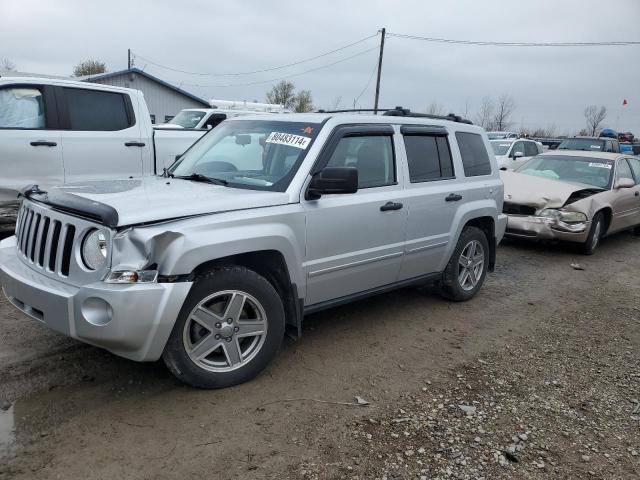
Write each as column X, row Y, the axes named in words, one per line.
column 549, row 85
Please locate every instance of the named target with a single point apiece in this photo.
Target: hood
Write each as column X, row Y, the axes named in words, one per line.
column 119, row 203
column 542, row 192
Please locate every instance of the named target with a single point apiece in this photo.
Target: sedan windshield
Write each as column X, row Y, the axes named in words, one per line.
column 596, row 172
column 188, row 118
column 254, row 154
column 588, row 144
column 500, row 147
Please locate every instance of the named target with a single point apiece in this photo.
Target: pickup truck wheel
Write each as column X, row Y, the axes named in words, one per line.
column 467, row 269
column 229, row 329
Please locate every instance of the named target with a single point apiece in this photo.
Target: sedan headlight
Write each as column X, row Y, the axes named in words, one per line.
column 562, row 216
column 94, row 249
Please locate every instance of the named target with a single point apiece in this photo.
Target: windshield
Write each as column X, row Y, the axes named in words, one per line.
column 589, row 144
column 500, row 147
column 188, row 118
column 590, row 171
column 255, row 154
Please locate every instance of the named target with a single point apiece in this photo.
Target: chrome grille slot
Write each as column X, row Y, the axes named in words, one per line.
column 53, row 246
column 43, row 240
column 48, row 239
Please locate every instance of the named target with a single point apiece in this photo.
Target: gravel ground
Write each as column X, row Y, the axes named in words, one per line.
column 537, row 377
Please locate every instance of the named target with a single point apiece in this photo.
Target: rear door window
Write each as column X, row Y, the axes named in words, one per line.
column 429, row 158
column 475, row 158
column 22, row 107
column 93, row 110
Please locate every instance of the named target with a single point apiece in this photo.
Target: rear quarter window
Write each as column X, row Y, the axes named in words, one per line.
column 475, row 158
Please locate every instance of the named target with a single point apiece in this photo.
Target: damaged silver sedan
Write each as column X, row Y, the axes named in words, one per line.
column 573, row 196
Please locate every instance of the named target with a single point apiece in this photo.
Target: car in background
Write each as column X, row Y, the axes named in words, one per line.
column 501, row 135
column 573, row 196
column 58, row 131
column 591, row 144
column 201, row 118
column 511, row 153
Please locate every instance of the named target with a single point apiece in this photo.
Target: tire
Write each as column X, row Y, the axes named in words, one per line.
column 228, row 330
column 456, row 285
column 595, row 234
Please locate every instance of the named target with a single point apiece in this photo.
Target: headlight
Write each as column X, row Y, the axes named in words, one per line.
column 562, row 216
column 94, row 249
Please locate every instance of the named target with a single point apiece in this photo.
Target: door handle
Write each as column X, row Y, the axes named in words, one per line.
column 390, row 206
column 637, row 194
column 134, row 144
column 43, row 143
column 453, row 197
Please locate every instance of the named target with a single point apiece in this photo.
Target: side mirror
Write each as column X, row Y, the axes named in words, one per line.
column 333, row 180
column 518, row 154
column 625, row 183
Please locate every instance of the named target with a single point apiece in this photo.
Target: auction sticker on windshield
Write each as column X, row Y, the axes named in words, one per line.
column 600, row 165
column 289, row 139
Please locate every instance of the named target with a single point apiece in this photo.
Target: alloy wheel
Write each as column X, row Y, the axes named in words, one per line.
column 225, row 331
column 470, row 265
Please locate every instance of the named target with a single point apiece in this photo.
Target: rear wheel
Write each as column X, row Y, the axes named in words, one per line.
column 595, row 234
column 228, row 330
column 467, row 268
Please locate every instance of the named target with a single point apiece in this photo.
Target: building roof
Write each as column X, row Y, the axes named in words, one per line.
column 102, row 76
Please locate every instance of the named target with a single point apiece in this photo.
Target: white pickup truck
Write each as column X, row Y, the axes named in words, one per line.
column 56, row 131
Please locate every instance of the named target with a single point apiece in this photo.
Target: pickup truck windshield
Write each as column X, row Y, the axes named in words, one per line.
column 253, row 154
column 187, row 119
column 590, row 171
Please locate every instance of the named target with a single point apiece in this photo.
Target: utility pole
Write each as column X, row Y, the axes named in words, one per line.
column 375, row 106
column 128, row 58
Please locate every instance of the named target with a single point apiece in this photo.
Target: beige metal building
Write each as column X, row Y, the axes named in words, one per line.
column 163, row 99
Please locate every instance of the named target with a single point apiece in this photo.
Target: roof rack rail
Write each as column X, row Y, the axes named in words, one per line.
column 403, row 112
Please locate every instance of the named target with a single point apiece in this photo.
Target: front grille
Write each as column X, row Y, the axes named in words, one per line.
column 45, row 242
column 515, row 209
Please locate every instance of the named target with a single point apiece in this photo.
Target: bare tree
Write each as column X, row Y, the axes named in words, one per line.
column 594, row 117
column 467, row 108
column 435, row 108
column 89, row 67
column 337, row 103
column 303, row 102
column 7, row 65
column 282, row 93
column 485, row 116
column 504, row 110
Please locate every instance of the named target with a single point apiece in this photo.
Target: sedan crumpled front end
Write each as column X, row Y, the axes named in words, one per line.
column 542, row 209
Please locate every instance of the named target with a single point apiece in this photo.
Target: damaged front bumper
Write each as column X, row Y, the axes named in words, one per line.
column 130, row 320
column 544, row 228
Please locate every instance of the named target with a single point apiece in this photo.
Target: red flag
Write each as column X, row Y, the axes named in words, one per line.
column 624, row 102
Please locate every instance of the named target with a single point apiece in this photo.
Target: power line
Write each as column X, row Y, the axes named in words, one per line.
column 285, row 77
column 514, row 44
column 271, row 69
column 373, row 72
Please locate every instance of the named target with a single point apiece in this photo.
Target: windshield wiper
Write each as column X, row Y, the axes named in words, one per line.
column 198, row 177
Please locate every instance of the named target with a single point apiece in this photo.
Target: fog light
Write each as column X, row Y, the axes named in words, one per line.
column 132, row 276
column 96, row 311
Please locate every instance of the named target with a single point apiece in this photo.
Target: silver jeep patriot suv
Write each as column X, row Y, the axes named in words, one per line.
column 263, row 220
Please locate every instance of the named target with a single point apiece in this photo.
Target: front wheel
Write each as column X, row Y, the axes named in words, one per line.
column 228, row 330
column 595, row 234
column 467, row 269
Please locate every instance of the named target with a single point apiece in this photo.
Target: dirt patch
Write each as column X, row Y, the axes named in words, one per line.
column 79, row 412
